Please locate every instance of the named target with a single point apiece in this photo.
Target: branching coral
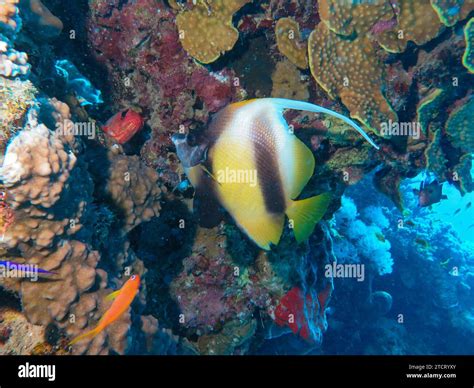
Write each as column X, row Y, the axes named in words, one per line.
column 288, row 37
column 206, row 30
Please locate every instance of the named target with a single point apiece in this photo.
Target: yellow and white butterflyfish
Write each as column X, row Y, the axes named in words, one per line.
column 255, row 167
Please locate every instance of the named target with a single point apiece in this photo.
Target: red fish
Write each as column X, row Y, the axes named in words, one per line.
column 431, row 193
column 124, row 125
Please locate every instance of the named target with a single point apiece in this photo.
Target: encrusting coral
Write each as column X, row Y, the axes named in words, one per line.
column 288, row 37
column 452, row 11
column 206, row 30
column 468, row 57
column 350, row 70
column 288, row 83
column 459, row 126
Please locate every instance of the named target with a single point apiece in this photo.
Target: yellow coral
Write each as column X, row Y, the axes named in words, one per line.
column 350, row 69
column 289, row 43
column 287, row 82
column 206, row 30
column 459, row 127
column 345, row 18
column 417, row 22
column 8, row 10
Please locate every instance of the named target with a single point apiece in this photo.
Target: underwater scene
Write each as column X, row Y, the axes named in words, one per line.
column 236, row 177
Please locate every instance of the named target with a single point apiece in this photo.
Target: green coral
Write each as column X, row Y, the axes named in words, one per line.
column 459, row 127
column 451, row 11
column 468, row 57
column 429, row 107
column 435, row 159
column 463, row 174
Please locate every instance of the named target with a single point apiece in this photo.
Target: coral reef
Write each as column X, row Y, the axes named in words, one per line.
column 468, row 57
column 288, row 37
column 206, row 30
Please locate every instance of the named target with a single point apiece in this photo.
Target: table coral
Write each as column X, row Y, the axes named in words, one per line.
column 206, row 30
column 350, row 69
column 288, row 37
column 468, row 57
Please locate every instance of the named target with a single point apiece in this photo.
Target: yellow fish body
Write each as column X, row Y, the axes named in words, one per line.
column 256, row 168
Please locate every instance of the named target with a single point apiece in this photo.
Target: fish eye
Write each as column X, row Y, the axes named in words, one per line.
column 134, row 277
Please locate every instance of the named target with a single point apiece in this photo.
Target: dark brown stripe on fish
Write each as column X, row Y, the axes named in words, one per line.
column 268, row 169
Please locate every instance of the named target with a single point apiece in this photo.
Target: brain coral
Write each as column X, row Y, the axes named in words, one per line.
column 206, row 30
column 288, row 37
column 350, row 69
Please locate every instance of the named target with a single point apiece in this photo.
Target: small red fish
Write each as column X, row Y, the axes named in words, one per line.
column 431, row 193
column 124, row 125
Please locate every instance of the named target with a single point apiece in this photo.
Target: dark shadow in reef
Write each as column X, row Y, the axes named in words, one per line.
column 162, row 245
column 9, row 299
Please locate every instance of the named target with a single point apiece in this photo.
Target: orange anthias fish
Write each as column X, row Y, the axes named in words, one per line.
column 124, row 125
column 122, row 298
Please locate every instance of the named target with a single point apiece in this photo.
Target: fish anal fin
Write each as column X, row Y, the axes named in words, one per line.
column 112, row 296
column 306, row 213
column 89, row 334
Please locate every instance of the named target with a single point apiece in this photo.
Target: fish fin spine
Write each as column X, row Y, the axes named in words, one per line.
column 306, row 213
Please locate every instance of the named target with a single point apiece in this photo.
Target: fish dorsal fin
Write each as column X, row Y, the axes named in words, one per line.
column 112, row 296
column 282, row 104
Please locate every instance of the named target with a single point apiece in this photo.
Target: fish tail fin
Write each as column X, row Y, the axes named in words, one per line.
column 90, row 334
column 305, row 214
column 283, row 103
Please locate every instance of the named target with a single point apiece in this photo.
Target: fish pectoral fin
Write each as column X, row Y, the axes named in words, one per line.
column 264, row 231
column 306, row 213
column 112, row 296
column 89, row 334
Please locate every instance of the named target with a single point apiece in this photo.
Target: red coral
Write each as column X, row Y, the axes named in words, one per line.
column 297, row 311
